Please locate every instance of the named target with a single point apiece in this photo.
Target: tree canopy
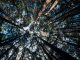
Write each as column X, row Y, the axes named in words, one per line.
column 39, row 29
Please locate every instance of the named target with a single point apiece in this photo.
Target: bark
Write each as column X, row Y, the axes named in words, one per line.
column 8, row 41
column 64, row 55
column 4, row 53
column 15, row 50
column 50, row 58
column 70, row 13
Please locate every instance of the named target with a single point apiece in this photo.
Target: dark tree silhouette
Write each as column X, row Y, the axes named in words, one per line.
column 39, row 29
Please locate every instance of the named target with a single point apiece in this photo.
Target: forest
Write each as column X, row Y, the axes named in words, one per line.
column 39, row 29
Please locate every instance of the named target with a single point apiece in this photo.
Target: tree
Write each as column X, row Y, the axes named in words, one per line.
column 39, row 30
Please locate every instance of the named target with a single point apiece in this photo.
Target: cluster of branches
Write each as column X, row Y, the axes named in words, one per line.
column 71, row 11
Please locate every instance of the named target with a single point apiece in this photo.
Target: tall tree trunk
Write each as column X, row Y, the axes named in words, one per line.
column 50, row 58
column 64, row 55
column 4, row 53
